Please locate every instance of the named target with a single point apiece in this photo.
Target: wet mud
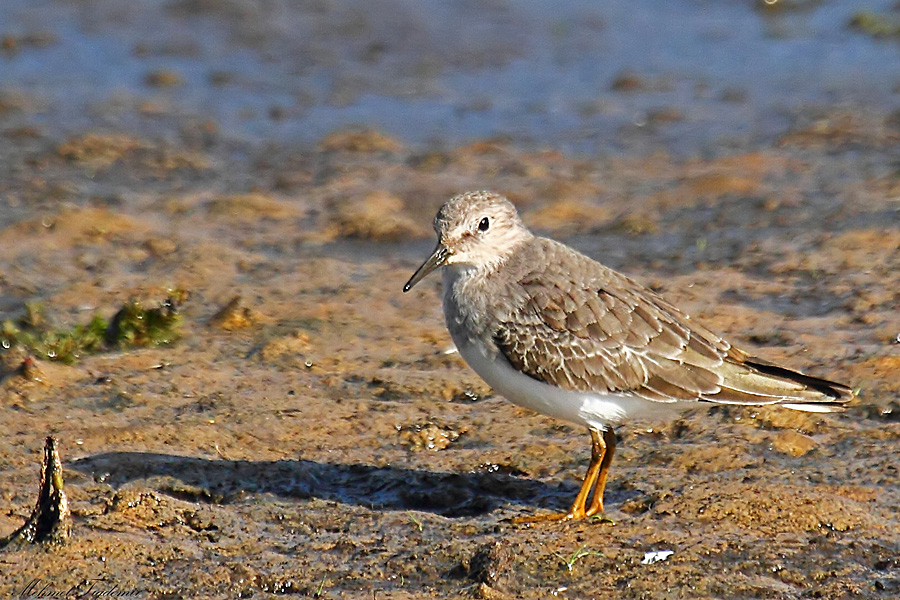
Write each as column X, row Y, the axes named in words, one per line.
column 309, row 431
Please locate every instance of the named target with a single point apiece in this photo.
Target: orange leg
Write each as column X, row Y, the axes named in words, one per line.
column 609, row 439
column 602, row 449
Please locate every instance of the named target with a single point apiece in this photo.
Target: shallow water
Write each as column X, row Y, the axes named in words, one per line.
column 705, row 74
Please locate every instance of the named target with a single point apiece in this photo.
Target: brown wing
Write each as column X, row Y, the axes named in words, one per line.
column 612, row 335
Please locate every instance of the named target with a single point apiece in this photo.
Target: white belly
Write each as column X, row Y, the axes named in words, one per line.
column 593, row 410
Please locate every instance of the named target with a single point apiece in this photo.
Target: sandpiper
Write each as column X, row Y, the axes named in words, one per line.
column 557, row 332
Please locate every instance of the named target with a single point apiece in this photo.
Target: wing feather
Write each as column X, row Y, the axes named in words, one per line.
column 600, row 331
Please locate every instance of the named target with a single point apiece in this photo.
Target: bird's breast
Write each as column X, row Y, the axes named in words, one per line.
column 466, row 308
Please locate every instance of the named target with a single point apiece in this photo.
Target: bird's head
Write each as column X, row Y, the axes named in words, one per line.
column 479, row 229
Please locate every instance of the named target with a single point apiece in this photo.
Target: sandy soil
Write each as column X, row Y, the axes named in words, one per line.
column 317, row 438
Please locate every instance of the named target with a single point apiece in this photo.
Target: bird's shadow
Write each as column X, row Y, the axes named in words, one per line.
column 221, row 481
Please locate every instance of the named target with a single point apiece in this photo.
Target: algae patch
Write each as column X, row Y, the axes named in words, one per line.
column 133, row 326
column 875, row 24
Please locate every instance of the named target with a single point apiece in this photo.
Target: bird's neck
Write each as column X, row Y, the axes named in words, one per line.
column 467, row 296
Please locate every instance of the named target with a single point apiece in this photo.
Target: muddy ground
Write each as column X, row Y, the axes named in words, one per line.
column 316, row 438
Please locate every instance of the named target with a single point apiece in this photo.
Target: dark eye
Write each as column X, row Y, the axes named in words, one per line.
column 485, row 223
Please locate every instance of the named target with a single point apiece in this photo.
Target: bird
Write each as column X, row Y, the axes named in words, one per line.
column 557, row 332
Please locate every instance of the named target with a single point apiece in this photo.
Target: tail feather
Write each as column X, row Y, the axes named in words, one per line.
column 754, row 381
column 838, row 392
column 815, row 407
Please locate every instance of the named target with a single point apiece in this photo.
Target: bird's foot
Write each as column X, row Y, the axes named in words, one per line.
column 554, row 517
column 592, row 513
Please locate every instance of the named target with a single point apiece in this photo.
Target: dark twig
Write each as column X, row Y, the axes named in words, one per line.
column 49, row 522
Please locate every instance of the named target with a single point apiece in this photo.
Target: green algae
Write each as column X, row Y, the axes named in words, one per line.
column 132, row 326
column 876, row 25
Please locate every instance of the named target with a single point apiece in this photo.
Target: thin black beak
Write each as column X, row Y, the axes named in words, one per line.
column 437, row 259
